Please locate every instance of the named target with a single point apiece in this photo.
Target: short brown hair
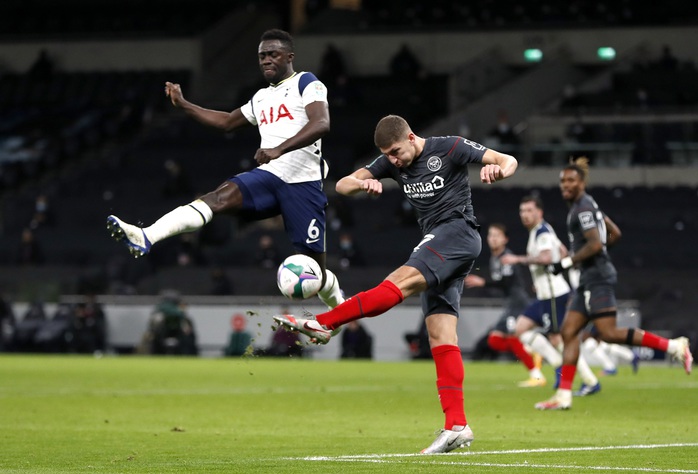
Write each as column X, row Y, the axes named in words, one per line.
column 501, row 227
column 390, row 130
column 535, row 199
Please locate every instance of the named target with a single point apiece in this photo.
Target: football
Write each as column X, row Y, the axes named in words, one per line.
column 299, row 277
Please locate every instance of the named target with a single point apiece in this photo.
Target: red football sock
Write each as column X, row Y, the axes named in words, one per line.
column 654, row 341
column 520, row 352
column 498, row 343
column 449, row 383
column 369, row 303
column 567, row 376
column 511, row 344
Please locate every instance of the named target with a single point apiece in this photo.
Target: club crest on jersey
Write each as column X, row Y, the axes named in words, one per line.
column 274, row 116
column 434, row 163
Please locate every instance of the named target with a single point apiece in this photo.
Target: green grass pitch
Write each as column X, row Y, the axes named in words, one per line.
column 70, row 414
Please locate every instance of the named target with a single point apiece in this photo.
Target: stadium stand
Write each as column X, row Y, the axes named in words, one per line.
column 97, row 142
column 420, row 15
column 110, row 18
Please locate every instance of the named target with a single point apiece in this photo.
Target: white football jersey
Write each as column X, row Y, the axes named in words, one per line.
column 279, row 113
column 542, row 237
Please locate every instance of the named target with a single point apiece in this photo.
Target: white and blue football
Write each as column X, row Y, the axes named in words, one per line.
column 299, row 277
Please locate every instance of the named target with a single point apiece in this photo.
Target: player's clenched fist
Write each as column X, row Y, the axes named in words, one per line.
column 491, row 173
column 372, row 186
column 174, row 92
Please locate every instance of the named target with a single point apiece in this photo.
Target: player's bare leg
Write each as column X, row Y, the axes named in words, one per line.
column 227, row 197
column 678, row 348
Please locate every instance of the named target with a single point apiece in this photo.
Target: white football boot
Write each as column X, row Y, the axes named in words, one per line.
column 310, row 327
column 448, row 440
column 130, row 235
column 562, row 400
column 680, row 350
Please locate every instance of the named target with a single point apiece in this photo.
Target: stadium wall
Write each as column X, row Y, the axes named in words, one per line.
column 127, row 320
column 366, row 54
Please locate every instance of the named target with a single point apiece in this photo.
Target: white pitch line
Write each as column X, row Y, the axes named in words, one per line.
column 529, row 466
column 390, row 458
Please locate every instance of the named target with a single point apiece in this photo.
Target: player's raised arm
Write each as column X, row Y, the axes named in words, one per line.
column 317, row 127
column 359, row 180
column 498, row 166
column 213, row 118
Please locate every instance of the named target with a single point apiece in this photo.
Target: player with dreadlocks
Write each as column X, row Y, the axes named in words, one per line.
column 594, row 300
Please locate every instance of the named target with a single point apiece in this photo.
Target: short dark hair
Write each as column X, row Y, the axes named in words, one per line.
column 534, row 199
column 390, row 130
column 284, row 37
column 501, row 227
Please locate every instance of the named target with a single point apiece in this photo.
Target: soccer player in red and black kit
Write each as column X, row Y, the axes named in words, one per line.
column 594, row 299
column 433, row 175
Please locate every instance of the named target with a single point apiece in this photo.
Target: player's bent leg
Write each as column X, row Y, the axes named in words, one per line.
column 678, row 348
column 182, row 219
column 540, row 344
column 227, row 197
column 504, row 342
column 331, row 294
column 366, row 304
column 130, row 235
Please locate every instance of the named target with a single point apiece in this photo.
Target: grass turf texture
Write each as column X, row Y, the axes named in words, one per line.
column 146, row 415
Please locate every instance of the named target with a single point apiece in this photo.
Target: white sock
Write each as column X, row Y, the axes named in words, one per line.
column 596, row 351
column 620, row 353
column 540, row 344
column 331, row 294
column 585, row 372
column 181, row 219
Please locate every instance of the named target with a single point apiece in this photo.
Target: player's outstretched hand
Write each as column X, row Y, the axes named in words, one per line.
column 174, row 92
column 491, row 173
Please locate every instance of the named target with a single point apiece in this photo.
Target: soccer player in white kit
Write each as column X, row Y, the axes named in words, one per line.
column 292, row 117
column 544, row 316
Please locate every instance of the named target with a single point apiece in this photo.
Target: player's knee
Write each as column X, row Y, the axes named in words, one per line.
column 612, row 335
column 224, row 199
column 441, row 336
column 523, row 325
column 527, row 337
column 568, row 334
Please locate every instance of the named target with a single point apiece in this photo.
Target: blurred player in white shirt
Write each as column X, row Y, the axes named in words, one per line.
column 543, row 318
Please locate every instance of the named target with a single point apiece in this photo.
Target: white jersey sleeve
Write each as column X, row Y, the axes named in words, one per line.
column 279, row 113
column 542, row 238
